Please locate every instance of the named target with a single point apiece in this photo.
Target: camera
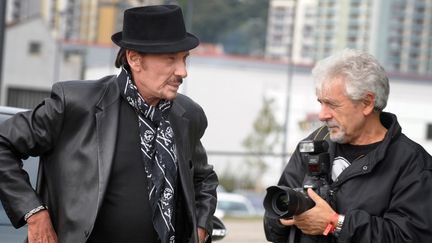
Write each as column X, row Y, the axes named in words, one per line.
column 285, row 202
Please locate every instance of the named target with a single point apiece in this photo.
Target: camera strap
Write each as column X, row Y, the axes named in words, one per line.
column 292, row 235
column 322, row 134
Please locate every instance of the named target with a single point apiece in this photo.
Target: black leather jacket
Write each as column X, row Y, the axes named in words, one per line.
column 385, row 195
column 74, row 132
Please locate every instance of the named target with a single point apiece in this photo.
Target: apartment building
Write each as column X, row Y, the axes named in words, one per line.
column 45, row 37
column 397, row 32
column 17, row 10
column 84, row 21
column 290, row 31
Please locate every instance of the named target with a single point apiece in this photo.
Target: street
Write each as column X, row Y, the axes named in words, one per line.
column 244, row 231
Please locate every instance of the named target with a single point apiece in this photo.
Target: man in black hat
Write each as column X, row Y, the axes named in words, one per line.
column 121, row 157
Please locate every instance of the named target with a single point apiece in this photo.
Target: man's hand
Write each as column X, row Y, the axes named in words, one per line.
column 202, row 234
column 315, row 220
column 40, row 228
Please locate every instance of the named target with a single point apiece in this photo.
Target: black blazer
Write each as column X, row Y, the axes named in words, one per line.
column 74, row 133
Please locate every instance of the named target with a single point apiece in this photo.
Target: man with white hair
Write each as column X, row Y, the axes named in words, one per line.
column 380, row 180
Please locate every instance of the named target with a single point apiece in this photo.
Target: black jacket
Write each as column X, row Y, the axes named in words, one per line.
column 74, row 133
column 385, row 196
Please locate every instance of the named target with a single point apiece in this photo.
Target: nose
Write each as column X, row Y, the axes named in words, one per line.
column 180, row 70
column 324, row 114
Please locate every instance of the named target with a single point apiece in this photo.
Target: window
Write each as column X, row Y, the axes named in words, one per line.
column 71, row 55
column 277, row 39
column 307, row 31
column 25, row 98
column 34, row 48
column 429, row 131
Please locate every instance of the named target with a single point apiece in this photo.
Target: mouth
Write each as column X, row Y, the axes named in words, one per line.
column 331, row 125
column 174, row 85
column 175, row 82
column 333, row 129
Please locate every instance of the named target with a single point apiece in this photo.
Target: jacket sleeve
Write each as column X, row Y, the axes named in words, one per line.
column 205, row 179
column 30, row 133
column 292, row 176
column 409, row 214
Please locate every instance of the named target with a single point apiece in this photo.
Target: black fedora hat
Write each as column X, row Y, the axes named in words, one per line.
column 155, row 29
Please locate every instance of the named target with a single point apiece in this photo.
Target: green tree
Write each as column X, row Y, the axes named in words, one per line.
column 239, row 25
column 266, row 130
column 262, row 140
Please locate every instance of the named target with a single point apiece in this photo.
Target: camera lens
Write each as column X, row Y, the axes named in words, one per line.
column 280, row 203
column 284, row 202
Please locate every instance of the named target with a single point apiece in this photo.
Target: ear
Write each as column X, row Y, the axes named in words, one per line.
column 369, row 104
column 134, row 60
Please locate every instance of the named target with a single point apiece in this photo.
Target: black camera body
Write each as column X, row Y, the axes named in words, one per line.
column 285, row 202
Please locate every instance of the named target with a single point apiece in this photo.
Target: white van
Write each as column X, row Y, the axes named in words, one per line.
column 232, row 204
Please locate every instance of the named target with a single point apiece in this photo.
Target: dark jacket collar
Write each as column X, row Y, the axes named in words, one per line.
column 394, row 130
column 107, row 125
column 367, row 163
column 111, row 93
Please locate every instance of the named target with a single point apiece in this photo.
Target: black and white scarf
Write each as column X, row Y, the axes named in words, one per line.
column 159, row 156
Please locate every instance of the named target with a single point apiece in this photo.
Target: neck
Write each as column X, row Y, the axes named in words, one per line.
column 373, row 131
column 151, row 101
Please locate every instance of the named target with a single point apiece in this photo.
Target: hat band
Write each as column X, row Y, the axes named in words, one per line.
column 151, row 42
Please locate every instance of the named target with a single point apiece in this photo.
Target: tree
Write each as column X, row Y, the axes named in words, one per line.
column 239, row 25
column 262, row 140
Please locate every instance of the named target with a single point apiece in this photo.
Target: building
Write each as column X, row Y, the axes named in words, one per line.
column 33, row 61
column 396, row 32
column 53, row 39
column 342, row 24
column 290, row 31
column 408, row 36
column 89, row 21
column 17, row 10
column 230, row 90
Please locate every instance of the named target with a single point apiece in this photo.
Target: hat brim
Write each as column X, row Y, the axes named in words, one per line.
column 188, row 43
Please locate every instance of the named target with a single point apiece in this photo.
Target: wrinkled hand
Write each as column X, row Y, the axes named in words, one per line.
column 314, row 221
column 40, row 229
column 202, row 234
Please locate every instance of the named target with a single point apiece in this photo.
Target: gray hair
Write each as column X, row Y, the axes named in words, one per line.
column 361, row 73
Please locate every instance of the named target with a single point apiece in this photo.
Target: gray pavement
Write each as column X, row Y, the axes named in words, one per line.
column 244, row 231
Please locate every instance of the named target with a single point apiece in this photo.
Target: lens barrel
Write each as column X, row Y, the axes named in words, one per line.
column 285, row 202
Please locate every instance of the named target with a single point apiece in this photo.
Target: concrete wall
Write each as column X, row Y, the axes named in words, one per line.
column 231, row 94
column 231, row 90
column 34, row 71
